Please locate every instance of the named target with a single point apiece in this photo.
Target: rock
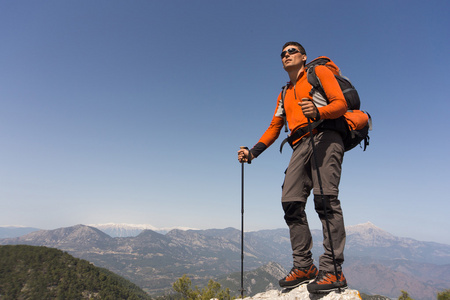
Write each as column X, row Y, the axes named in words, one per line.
column 301, row 293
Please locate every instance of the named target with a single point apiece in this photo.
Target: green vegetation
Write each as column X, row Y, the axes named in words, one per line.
column 444, row 295
column 213, row 290
column 30, row 272
column 404, row 296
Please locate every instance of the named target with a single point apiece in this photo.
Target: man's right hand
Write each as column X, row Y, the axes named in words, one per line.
column 308, row 108
column 243, row 155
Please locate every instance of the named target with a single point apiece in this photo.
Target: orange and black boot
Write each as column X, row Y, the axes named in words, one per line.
column 327, row 282
column 297, row 276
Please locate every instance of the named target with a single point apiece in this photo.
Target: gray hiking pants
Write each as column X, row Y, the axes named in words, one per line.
column 300, row 179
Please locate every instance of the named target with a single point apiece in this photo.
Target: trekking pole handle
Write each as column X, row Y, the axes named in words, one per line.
column 249, row 160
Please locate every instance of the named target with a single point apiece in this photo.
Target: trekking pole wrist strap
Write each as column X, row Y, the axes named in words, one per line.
column 249, row 156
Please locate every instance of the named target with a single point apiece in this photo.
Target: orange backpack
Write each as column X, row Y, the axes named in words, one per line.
column 357, row 123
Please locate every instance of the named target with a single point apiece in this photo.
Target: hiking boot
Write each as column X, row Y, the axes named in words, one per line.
column 297, row 276
column 327, row 282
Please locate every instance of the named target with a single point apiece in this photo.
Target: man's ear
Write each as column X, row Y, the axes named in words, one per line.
column 304, row 58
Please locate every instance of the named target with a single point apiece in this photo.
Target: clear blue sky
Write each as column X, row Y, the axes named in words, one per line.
column 133, row 111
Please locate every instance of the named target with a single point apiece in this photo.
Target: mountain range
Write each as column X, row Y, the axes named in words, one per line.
column 376, row 261
column 111, row 229
column 15, row 231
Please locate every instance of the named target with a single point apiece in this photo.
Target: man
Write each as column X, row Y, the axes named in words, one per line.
column 301, row 174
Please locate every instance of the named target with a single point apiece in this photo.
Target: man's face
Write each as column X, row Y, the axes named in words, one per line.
column 292, row 58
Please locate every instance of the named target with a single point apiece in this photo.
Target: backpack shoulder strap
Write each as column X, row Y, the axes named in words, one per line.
column 283, row 95
column 283, row 92
column 312, row 77
column 311, row 70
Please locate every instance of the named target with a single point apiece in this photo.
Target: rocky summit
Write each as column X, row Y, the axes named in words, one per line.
column 301, row 293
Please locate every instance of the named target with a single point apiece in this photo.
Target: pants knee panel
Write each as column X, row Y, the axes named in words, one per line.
column 294, row 212
column 332, row 204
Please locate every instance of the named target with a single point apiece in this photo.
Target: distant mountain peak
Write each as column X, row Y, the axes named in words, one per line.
column 367, row 228
column 369, row 235
column 368, row 224
column 124, row 225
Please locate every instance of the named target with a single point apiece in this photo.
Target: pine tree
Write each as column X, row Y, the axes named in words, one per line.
column 183, row 286
column 405, row 296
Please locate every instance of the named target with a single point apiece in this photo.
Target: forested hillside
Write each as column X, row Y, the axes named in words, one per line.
column 31, row 272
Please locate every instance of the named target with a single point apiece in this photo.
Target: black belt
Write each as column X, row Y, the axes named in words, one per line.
column 298, row 134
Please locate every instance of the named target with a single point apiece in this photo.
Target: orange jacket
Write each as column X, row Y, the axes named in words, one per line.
column 336, row 107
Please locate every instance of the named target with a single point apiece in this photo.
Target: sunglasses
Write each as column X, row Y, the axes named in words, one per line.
column 290, row 51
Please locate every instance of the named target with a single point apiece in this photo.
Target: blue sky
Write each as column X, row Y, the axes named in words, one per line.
column 133, row 111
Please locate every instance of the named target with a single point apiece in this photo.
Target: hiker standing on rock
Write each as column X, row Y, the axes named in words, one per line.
column 301, row 177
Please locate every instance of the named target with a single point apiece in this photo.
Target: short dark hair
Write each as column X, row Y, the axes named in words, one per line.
column 300, row 47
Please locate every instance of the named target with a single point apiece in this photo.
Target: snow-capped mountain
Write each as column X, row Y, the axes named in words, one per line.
column 127, row 230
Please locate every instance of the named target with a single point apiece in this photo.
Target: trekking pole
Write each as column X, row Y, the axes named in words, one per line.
column 242, row 227
column 319, row 179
